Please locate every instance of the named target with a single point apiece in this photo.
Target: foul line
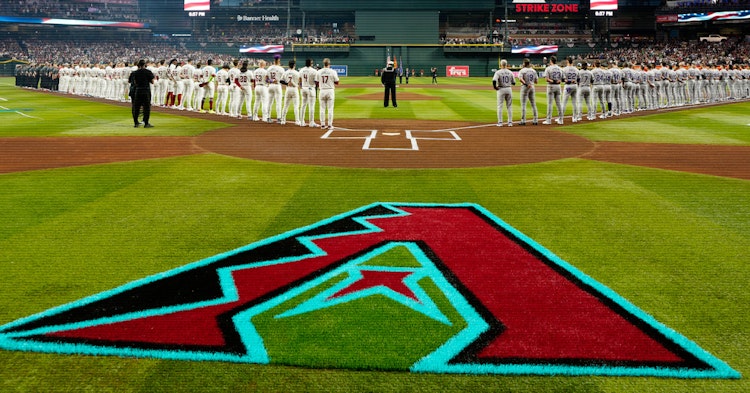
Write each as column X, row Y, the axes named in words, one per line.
column 372, row 134
column 19, row 112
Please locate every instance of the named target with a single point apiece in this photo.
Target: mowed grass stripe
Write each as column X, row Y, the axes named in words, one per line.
column 720, row 125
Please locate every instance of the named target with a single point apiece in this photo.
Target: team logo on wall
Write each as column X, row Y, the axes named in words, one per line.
column 419, row 287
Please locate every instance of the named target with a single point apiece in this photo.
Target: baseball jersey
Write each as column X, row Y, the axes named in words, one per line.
column 207, row 73
column 307, row 74
column 327, row 79
column 554, row 72
column 585, row 77
column 528, row 76
column 222, row 77
column 261, row 75
column 504, row 78
column 291, row 77
column 233, row 72
column 275, row 73
column 571, row 75
column 598, row 75
column 244, row 79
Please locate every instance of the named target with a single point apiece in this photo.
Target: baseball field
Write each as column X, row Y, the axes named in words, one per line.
column 651, row 212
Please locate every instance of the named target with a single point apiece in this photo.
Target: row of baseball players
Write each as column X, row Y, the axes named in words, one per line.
column 97, row 80
column 233, row 85
column 613, row 90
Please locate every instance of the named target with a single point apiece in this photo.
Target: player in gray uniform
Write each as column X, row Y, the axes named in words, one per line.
column 528, row 78
column 554, row 75
column 644, row 94
column 706, row 77
column 628, row 89
column 607, row 93
column 653, row 75
column 585, row 79
column 598, row 90
column 570, row 77
column 693, row 75
column 676, row 83
column 616, row 89
column 502, row 82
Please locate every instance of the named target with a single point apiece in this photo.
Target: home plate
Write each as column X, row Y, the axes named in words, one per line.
column 386, row 141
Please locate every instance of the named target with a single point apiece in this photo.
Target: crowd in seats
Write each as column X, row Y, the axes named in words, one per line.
column 72, row 9
column 9, row 48
column 694, row 6
column 103, row 52
column 267, row 35
column 731, row 51
column 521, row 34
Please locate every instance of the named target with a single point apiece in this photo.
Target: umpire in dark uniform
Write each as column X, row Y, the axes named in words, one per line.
column 140, row 82
column 388, row 79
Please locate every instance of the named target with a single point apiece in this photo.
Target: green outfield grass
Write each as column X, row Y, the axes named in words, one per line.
column 674, row 244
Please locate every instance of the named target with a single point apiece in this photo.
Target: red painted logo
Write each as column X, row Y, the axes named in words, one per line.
column 498, row 302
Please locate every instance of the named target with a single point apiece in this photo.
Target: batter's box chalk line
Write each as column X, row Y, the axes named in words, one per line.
column 369, row 135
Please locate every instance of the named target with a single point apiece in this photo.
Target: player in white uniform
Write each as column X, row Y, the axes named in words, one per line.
column 291, row 79
column 275, row 95
column 170, row 87
column 307, row 75
column 222, row 90
column 125, row 84
column 502, row 82
column 234, row 89
column 261, row 93
column 327, row 80
column 188, row 88
column 207, row 86
column 107, row 89
column 243, row 82
column 160, row 84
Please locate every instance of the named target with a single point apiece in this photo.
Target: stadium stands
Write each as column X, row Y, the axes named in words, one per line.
column 71, row 9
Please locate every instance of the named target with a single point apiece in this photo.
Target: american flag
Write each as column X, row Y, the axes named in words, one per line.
column 603, row 5
column 721, row 15
column 262, row 49
column 535, row 49
column 197, row 5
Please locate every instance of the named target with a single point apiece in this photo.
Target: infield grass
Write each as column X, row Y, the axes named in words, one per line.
column 674, row 244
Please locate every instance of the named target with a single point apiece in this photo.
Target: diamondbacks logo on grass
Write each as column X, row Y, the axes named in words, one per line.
column 426, row 288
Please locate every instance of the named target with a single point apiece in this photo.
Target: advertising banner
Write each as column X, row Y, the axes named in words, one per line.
column 457, row 71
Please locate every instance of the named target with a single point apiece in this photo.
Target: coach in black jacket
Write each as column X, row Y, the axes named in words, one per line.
column 140, row 82
column 388, row 79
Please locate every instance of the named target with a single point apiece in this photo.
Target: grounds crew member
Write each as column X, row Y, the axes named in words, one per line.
column 141, row 81
column 388, row 79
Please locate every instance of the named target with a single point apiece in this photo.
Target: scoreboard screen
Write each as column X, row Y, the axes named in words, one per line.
column 603, row 5
column 197, row 5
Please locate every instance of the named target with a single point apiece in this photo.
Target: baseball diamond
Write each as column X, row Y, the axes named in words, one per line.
column 353, row 196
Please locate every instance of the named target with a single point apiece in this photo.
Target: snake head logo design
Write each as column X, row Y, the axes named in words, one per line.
column 418, row 287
